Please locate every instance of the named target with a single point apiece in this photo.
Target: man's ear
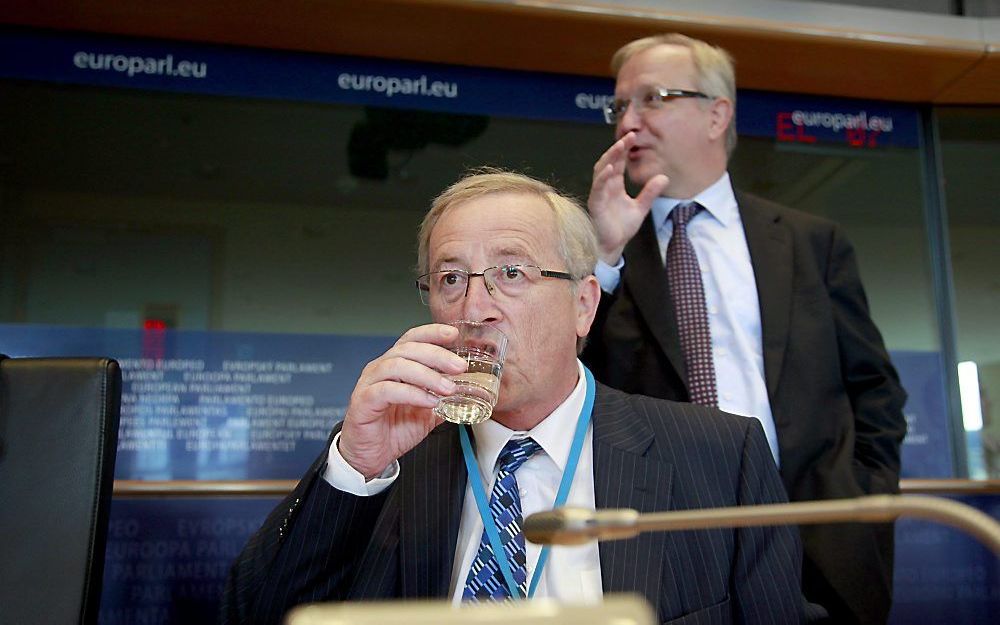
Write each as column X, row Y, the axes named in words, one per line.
column 721, row 116
column 588, row 296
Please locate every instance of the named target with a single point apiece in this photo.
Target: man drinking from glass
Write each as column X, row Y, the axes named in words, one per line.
column 404, row 505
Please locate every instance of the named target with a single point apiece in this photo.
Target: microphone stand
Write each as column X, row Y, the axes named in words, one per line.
column 575, row 526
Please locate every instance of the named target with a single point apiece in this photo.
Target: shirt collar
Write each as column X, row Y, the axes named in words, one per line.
column 491, row 436
column 718, row 200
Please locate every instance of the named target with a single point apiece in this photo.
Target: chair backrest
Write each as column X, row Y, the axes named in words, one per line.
column 58, row 435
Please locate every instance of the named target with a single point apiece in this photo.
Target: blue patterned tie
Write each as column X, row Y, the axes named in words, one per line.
column 485, row 581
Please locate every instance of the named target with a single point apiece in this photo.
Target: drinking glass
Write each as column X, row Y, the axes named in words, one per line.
column 484, row 348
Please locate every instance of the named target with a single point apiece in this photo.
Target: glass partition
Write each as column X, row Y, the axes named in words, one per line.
column 238, row 215
column 243, row 237
column 970, row 152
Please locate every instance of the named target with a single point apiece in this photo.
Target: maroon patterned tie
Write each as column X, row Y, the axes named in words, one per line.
column 684, row 278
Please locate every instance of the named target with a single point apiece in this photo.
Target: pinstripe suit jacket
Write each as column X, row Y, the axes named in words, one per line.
column 321, row 544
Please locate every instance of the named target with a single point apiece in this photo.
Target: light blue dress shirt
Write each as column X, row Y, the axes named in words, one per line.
column 730, row 296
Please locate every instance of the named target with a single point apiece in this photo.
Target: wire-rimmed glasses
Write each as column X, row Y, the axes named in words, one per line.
column 451, row 285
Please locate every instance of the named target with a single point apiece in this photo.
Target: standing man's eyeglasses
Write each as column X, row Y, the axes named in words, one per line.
column 653, row 99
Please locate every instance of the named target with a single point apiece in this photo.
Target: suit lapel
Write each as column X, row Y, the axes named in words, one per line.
column 432, row 487
column 646, row 279
column 626, row 477
column 772, row 258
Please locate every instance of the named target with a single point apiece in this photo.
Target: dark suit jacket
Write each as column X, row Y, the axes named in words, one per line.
column 321, row 544
column 835, row 397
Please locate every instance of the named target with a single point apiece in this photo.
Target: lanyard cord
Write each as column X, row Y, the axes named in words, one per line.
column 482, row 503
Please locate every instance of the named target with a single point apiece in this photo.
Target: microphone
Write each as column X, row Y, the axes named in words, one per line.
column 576, row 526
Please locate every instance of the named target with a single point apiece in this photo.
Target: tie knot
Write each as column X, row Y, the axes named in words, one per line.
column 515, row 452
column 683, row 213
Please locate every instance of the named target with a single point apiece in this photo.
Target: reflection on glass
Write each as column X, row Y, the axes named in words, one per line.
column 972, row 416
column 244, row 215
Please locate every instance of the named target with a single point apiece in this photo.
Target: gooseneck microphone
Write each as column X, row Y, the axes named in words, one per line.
column 576, row 526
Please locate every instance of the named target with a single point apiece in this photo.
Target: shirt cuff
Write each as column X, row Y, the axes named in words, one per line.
column 609, row 275
column 342, row 476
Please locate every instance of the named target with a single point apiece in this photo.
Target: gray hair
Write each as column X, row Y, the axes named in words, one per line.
column 713, row 69
column 577, row 238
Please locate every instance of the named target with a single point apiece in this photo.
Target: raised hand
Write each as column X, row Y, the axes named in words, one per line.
column 390, row 408
column 616, row 215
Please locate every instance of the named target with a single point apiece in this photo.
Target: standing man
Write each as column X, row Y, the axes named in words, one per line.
column 720, row 298
column 391, row 510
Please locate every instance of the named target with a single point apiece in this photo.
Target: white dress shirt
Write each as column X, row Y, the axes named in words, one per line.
column 572, row 574
column 720, row 243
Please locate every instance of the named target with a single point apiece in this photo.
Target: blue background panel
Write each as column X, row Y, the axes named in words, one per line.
column 167, row 561
column 120, row 62
column 943, row 575
column 216, row 405
column 240, row 405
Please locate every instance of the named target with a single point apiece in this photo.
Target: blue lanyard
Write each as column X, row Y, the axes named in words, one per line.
column 489, row 524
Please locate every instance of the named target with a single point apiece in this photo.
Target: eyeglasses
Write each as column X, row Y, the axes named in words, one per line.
column 451, row 285
column 653, row 99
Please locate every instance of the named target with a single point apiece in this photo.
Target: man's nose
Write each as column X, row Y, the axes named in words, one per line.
column 479, row 303
column 630, row 120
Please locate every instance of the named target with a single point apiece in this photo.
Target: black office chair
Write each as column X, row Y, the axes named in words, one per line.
column 58, row 435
